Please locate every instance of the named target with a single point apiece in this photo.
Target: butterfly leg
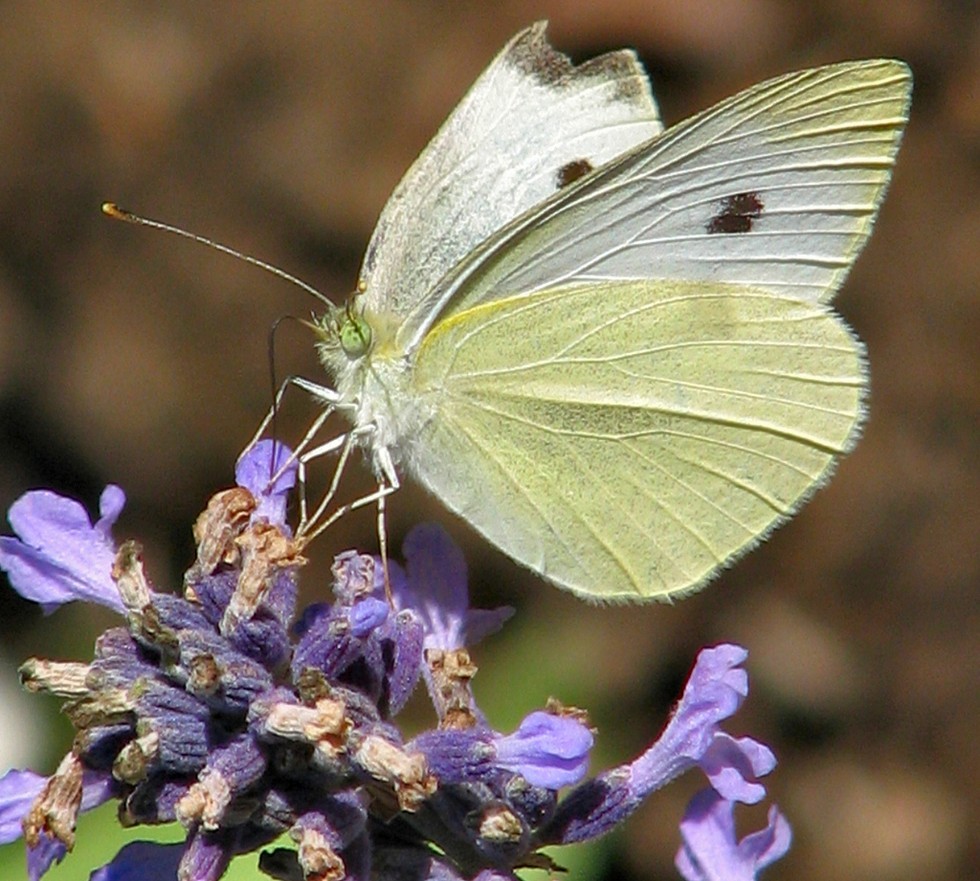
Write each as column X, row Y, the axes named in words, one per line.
column 325, row 395
column 387, row 484
column 300, row 454
column 391, row 475
column 344, row 443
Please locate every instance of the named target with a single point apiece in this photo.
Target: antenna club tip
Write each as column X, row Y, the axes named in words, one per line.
column 111, row 209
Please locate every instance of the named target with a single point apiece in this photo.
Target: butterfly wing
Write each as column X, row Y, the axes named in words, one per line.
column 630, row 384
column 626, row 439
column 531, row 123
column 776, row 187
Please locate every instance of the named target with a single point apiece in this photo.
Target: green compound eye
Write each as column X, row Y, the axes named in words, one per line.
column 355, row 336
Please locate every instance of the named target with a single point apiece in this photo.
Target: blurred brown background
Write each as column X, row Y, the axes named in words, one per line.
column 131, row 357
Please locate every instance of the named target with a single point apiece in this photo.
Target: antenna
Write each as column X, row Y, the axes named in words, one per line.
column 112, row 210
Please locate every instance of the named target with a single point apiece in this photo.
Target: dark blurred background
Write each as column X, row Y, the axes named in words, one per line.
column 130, row 357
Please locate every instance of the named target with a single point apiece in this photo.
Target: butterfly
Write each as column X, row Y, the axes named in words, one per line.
column 608, row 346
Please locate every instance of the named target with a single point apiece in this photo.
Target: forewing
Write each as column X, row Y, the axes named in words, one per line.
column 776, row 187
column 531, row 123
column 628, row 439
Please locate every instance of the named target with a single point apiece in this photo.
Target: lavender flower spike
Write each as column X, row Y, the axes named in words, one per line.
column 212, row 707
column 59, row 555
column 710, row 849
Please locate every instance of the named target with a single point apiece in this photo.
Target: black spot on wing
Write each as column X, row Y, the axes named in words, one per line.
column 737, row 214
column 571, row 172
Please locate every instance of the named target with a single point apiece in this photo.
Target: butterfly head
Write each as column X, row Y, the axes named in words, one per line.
column 343, row 337
column 352, row 343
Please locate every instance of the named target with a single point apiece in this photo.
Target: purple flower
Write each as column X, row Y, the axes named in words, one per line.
column 210, row 707
column 710, row 849
column 260, row 470
column 714, row 692
column 692, row 738
column 59, row 555
column 547, row 750
column 435, row 589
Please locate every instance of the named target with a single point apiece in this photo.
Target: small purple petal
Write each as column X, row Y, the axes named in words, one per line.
column 547, row 750
column 733, row 767
column 710, row 849
column 481, row 623
column 436, row 590
column 253, row 471
column 402, row 665
column 18, row 789
column 367, row 615
column 142, row 861
column 97, row 787
column 49, row 850
column 111, row 503
column 59, row 555
column 437, row 585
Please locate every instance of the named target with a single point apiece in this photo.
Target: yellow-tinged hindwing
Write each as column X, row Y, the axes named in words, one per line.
column 626, row 439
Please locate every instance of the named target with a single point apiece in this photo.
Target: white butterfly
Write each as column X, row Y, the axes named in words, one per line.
column 606, row 346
